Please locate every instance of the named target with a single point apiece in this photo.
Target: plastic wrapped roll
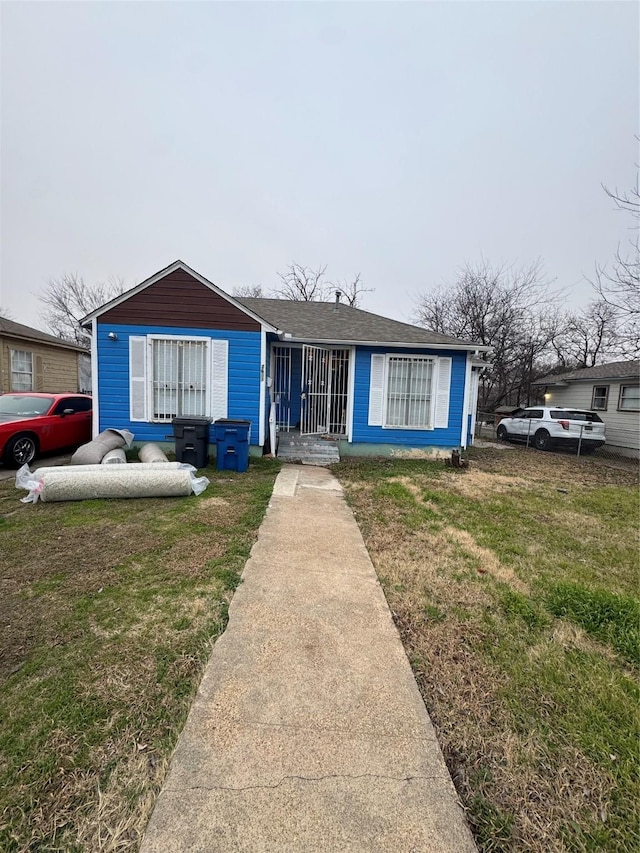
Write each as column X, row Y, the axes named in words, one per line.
column 81, row 469
column 109, row 481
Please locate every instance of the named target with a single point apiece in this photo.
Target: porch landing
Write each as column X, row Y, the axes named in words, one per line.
column 307, row 449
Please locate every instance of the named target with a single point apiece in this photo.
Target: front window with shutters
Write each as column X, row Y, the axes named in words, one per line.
column 179, row 378
column 21, row 370
column 409, row 392
column 174, row 376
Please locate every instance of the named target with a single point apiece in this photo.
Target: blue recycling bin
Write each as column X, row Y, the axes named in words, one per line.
column 232, row 444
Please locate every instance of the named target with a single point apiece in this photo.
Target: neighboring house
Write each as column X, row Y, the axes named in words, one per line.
column 31, row 360
column 612, row 390
column 177, row 345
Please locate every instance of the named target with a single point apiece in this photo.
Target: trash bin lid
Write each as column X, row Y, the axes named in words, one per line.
column 191, row 421
column 232, row 421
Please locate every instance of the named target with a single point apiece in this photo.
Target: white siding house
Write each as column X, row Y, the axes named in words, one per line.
column 612, row 390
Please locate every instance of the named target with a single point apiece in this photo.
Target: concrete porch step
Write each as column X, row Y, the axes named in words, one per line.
column 309, row 450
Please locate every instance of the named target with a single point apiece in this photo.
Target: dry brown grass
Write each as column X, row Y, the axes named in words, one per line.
column 439, row 582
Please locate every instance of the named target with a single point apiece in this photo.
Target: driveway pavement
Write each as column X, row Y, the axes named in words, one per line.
column 308, row 732
column 60, row 459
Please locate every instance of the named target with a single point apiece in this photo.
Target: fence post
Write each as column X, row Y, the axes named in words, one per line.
column 528, row 432
column 580, row 440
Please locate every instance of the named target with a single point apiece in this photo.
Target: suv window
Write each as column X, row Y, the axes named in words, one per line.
column 533, row 413
column 574, row 415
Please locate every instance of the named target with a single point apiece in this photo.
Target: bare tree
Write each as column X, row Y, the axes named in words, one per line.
column 509, row 309
column 619, row 284
column 588, row 337
column 352, row 290
column 250, row 291
column 68, row 299
column 303, row 284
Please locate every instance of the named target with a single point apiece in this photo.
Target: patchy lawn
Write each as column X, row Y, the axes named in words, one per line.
column 108, row 610
column 514, row 586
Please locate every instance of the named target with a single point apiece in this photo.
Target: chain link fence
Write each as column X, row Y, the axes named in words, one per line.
column 621, row 445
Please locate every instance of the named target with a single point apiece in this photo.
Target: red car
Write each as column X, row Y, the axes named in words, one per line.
column 32, row 423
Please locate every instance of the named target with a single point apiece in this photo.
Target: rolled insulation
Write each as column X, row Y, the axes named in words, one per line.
column 109, row 481
column 81, row 469
column 151, row 452
column 115, row 457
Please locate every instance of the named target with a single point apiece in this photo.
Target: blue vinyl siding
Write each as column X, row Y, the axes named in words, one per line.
column 113, row 378
column 449, row 437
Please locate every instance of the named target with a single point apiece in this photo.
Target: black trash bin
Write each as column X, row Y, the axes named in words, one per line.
column 192, row 440
column 232, row 444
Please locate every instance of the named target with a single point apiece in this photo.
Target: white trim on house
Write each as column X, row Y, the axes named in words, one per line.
column 321, row 342
column 176, row 265
column 351, row 393
column 263, row 385
column 464, row 433
column 95, row 419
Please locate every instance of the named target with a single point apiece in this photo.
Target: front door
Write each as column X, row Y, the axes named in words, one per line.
column 316, row 390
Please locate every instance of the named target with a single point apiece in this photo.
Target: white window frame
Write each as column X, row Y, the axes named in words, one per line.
column 14, row 370
column 602, row 408
column 411, row 357
column 622, row 408
column 150, row 391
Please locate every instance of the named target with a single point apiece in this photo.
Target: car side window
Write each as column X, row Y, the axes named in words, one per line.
column 78, row 404
column 536, row 413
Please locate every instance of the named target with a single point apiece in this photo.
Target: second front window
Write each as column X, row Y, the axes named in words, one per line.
column 409, row 390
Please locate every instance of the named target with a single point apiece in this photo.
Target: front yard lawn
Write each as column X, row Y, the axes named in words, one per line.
column 108, row 610
column 514, row 586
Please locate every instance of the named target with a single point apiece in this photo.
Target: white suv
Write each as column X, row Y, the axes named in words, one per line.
column 546, row 426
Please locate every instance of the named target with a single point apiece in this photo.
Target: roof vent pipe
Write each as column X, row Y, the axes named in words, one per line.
column 338, row 295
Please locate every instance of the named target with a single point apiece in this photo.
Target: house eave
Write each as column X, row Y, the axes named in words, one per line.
column 342, row 342
column 177, row 265
column 67, row 345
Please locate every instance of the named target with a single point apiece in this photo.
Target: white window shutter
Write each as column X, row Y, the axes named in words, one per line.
column 138, row 378
column 219, row 378
column 376, row 391
column 443, row 373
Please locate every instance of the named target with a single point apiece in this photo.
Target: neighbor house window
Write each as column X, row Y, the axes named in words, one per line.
column 409, row 390
column 179, row 378
column 21, row 370
column 600, row 397
column 629, row 400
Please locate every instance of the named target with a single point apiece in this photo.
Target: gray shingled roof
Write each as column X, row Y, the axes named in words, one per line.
column 322, row 321
column 615, row 370
column 18, row 330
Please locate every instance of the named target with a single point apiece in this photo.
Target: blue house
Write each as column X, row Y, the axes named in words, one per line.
column 178, row 345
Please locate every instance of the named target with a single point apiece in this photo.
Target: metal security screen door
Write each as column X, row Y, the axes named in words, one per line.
column 315, row 390
column 282, row 387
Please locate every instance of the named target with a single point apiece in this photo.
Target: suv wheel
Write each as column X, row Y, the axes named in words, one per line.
column 542, row 440
column 502, row 433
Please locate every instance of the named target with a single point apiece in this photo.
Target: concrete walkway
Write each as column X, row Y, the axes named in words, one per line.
column 308, row 732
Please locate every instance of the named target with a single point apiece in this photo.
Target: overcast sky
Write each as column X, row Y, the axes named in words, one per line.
column 396, row 140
